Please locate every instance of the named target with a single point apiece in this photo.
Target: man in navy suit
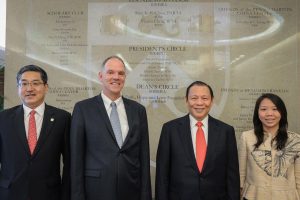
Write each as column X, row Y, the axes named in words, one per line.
column 30, row 154
column 106, row 165
column 180, row 173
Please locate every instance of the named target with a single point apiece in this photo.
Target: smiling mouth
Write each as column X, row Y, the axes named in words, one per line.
column 29, row 95
column 270, row 120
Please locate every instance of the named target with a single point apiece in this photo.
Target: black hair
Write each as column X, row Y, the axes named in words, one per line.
column 32, row 68
column 199, row 83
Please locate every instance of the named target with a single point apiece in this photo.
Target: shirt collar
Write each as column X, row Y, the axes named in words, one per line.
column 107, row 101
column 39, row 110
column 193, row 121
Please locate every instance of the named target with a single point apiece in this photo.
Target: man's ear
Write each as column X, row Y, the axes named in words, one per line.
column 100, row 76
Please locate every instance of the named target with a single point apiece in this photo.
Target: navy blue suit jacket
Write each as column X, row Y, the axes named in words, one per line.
column 99, row 168
column 36, row 177
column 177, row 174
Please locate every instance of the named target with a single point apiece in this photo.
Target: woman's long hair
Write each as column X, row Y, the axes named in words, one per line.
column 281, row 136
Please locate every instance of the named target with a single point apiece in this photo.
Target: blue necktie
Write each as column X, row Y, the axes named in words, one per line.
column 115, row 123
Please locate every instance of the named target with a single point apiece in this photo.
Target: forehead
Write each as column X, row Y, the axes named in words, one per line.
column 30, row 75
column 199, row 90
column 266, row 102
column 114, row 63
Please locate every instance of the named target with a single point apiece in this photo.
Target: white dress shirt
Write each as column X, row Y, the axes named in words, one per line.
column 39, row 115
column 194, row 129
column 121, row 112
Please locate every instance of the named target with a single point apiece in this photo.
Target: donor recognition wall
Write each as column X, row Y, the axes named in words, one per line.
column 241, row 48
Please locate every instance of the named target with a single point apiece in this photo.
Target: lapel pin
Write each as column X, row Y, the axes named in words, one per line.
column 52, row 119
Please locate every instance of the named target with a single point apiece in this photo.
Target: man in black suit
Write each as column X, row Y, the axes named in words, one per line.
column 197, row 160
column 33, row 137
column 107, row 164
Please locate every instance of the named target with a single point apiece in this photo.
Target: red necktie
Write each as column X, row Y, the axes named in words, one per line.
column 200, row 146
column 32, row 136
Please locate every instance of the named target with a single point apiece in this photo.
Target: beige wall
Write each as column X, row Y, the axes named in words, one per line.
column 241, row 48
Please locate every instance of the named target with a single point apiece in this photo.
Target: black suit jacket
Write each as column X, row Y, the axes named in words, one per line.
column 177, row 174
column 36, row 177
column 99, row 168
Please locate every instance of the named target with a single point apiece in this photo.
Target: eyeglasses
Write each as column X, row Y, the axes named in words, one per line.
column 34, row 84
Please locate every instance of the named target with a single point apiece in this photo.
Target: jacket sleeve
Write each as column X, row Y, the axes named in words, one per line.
column 77, row 144
column 66, row 160
column 233, row 178
column 297, row 173
column 242, row 160
column 145, row 158
column 163, row 166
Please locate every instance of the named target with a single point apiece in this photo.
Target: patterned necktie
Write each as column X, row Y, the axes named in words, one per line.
column 115, row 123
column 32, row 136
column 200, row 146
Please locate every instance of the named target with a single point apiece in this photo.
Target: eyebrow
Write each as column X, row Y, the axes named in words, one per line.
column 31, row 80
column 268, row 106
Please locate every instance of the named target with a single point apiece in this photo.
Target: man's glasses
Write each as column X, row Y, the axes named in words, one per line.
column 34, row 84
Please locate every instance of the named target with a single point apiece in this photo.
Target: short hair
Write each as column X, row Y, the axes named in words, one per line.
column 199, row 83
column 112, row 57
column 282, row 136
column 32, row 68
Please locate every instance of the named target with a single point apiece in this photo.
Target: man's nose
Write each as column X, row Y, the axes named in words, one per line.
column 199, row 101
column 116, row 76
column 29, row 86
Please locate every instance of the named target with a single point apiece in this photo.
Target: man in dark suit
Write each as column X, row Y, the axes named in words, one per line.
column 33, row 136
column 108, row 164
column 197, row 154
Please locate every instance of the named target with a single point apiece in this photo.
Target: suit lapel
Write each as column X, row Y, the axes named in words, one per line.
column 185, row 134
column 20, row 128
column 48, row 122
column 213, row 138
column 129, row 114
column 104, row 116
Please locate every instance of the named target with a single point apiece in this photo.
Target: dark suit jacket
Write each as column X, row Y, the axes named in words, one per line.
column 36, row 177
column 177, row 174
column 99, row 168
